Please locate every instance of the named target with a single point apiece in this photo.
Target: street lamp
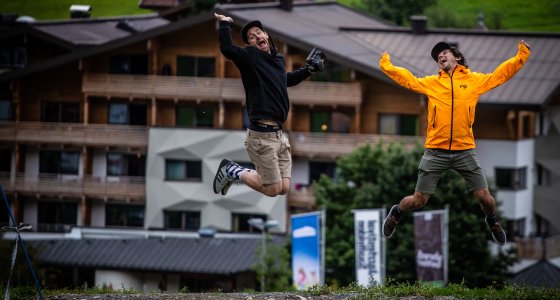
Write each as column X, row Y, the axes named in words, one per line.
column 263, row 226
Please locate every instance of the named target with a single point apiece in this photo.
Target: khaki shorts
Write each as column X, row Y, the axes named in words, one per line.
column 435, row 161
column 271, row 154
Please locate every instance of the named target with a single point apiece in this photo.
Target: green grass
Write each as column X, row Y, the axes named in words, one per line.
column 390, row 291
column 60, row 9
column 514, row 15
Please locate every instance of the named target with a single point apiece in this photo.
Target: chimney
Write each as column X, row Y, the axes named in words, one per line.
column 287, row 5
column 419, row 24
column 80, row 11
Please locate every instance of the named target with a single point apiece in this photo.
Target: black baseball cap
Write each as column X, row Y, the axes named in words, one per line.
column 255, row 23
column 438, row 48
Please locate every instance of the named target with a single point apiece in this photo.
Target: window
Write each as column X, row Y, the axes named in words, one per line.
column 396, row 124
column 184, row 220
column 544, row 176
column 5, row 160
column 516, row 228
column 124, row 215
column 56, row 216
column 15, row 57
column 60, row 112
column 128, row 64
column 122, row 164
column 183, row 170
column 195, row 116
column 240, row 222
column 128, row 114
column 333, row 73
column 316, row 169
column 59, row 162
column 511, row 178
column 4, row 215
column 5, row 110
column 323, row 121
column 196, row 66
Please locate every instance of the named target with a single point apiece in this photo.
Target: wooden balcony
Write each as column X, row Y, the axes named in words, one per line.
column 302, row 198
column 100, row 135
column 333, row 145
column 121, row 188
column 213, row 89
column 538, row 248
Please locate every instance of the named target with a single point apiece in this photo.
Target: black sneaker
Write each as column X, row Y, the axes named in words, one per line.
column 390, row 223
column 498, row 234
column 221, row 179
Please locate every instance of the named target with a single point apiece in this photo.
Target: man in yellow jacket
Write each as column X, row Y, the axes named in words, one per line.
column 452, row 97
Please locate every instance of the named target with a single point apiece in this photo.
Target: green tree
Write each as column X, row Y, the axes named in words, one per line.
column 275, row 267
column 396, row 11
column 379, row 176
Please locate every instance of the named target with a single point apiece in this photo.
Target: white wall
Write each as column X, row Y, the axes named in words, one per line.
column 118, row 280
column 97, row 213
column 209, row 146
column 511, row 154
column 99, row 163
column 300, row 171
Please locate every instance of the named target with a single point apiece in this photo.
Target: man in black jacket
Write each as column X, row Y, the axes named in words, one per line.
column 265, row 81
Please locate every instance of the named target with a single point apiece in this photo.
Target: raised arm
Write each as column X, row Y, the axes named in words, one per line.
column 505, row 70
column 400, row 75
column 224, row 34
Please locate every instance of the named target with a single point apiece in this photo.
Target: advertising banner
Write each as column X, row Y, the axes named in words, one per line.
column 369, row 249
column 430, row 239
column 306, row 250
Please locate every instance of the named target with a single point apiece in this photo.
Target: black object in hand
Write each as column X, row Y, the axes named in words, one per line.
column 315, row 61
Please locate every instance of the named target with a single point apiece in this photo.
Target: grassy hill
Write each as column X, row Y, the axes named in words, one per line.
column 60, row 9
column 515, row 15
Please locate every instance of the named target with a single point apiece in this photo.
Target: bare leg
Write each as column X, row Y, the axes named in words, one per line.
column 414, row 202
column 486, row 201
column 253, row 180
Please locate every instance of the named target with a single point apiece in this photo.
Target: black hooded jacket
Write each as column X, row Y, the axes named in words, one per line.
column 264, row 78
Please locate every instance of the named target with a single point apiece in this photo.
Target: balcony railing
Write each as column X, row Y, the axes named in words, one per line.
column 302, row 198
column 74, row 133
column 129, row 188
column 213, row 89
column 333, row 145
column 538, row 248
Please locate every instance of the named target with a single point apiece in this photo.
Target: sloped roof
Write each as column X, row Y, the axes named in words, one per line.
column 190, row 255
column 541, row 274
column 92, row 32
column 357, row 40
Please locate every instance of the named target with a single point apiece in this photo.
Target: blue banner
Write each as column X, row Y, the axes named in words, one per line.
column 306, row 250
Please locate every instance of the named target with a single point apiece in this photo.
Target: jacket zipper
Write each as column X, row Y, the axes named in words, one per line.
column 434, row 122
column 469, row 120
column 452, row 107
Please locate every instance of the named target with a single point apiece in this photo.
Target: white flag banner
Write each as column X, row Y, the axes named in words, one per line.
column 370, row 260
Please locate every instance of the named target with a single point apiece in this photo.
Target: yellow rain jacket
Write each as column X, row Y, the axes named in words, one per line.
column 452, row 99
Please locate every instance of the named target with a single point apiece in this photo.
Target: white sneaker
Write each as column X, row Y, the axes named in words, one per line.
column 222, row 178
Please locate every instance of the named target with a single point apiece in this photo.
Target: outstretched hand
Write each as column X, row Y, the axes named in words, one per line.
column 223, row 18
column 383, row 53
column 526, row 45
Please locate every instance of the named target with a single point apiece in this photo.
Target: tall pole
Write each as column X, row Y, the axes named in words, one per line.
column 264, row 268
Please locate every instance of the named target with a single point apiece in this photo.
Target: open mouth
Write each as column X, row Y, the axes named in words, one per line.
column 262, row 44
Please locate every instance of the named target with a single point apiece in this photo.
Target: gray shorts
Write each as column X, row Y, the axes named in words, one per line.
column 271, row 154
column 435, row 161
